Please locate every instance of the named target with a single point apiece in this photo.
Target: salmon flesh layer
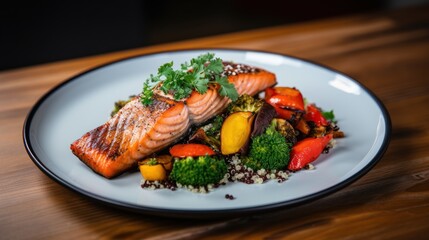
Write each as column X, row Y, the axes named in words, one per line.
column 138, row 131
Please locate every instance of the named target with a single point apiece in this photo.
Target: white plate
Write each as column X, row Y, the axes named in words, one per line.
column 85, row 101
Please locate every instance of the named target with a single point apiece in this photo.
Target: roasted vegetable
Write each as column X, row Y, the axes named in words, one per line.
column 338, row 134
column 166, row 161
column 263, row 119
column 214, row 127
column 285, row 97
column 314, row 114
column 285, row 129
column 306, row 151
column 209, row 134
column 155, row 169
column 288, row 102
column 318, row 130
column 198, row 171
column 268, row 151
column 201, row 136
column 190, row 150
column 302, row 126
column 235, row 132
column 245, row 103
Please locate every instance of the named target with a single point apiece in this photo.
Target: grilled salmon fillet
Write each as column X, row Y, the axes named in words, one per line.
column 138, row 131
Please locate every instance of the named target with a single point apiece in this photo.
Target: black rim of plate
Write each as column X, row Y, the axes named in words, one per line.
column 202, row 213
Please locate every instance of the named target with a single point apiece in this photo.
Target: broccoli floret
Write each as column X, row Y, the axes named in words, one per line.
column 198, row 171
column 215, row 126
column 269, row 151
column 246, row 103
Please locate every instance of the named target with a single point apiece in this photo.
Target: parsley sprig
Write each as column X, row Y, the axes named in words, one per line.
column 196, row 75
column 329, row 115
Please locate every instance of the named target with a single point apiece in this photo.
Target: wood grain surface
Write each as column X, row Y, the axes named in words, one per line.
column 386, row 51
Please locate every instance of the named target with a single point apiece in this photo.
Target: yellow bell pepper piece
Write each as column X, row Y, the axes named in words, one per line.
column 153, row 172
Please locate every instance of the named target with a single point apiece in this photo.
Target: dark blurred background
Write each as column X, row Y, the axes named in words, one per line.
column 39, row 32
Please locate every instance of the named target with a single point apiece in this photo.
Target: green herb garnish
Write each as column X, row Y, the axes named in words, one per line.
column 195, row 75
column 329, row 116
column 152, row 161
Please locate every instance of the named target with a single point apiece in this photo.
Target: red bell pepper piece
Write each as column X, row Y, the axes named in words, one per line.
column 306, row 151
column 287, row 101
column 269, row 92
column 190, row 150
column 285, row 97
column 285, row 113
column 290, row 115
column 313, row 114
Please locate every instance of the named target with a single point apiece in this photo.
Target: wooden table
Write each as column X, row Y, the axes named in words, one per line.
column 388, row 52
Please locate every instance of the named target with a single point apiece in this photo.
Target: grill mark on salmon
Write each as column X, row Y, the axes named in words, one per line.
column 138, row 131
